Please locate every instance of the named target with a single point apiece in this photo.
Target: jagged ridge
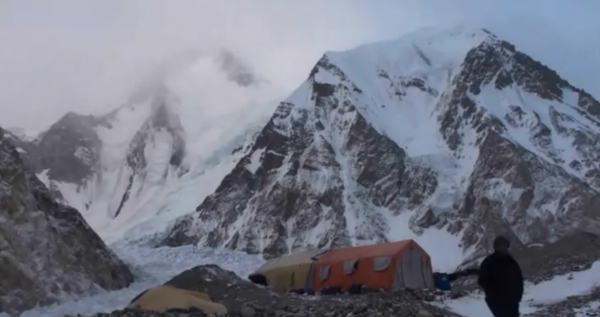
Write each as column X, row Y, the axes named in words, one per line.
column 474, row 142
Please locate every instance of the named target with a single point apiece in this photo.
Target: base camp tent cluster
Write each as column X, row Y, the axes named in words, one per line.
column 393, row 265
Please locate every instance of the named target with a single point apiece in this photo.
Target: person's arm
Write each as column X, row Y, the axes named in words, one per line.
column 520, row 282
column 484, row 274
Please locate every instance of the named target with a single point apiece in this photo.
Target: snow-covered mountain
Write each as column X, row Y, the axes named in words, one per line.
column 156, row 157
column 449, row 137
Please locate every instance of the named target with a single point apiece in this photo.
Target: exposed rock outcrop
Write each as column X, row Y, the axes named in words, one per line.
column 47, row 250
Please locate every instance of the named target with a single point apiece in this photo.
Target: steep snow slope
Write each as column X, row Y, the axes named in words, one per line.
column 157, row 157
column 449, row 137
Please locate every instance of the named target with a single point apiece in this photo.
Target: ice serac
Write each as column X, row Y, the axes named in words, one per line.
column 440, row 135
column 47, row 250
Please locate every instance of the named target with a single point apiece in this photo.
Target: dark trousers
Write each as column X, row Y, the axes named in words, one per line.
column 503, row 309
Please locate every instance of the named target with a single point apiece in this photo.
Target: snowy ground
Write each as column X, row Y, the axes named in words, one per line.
column 591, row 307
column 155, row 266
column 553, row 291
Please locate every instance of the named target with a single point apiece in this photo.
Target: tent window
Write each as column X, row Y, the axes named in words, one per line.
column 381, row 263
column 324, row 273
column 350, row 266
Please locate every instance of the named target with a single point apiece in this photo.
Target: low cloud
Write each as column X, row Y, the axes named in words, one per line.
column 89, row 56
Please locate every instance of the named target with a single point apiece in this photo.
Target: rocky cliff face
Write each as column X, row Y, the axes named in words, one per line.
column 47, row 250
column 451, row 132
column 69, row 151
column 533, row 178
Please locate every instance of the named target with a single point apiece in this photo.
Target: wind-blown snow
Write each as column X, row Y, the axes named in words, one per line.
column 152, row 267
column 535, row 296
column 161, row 192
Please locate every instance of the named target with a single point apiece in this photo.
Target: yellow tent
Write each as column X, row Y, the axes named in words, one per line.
column 164, row 298
column 291, row 271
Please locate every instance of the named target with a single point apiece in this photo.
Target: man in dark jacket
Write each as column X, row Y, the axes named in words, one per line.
column 502, row 281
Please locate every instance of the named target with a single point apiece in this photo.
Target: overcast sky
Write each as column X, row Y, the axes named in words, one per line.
column 87, row 56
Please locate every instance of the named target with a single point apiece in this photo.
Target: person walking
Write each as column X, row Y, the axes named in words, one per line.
column 501, row 278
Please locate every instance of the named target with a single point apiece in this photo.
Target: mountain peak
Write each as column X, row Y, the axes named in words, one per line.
column 401, row 139
column 442, row 46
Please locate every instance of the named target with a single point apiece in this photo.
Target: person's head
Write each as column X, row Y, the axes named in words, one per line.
column 501, row 244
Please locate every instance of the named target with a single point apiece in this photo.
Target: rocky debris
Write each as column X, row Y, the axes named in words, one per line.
column 47, row 250
column 570, row 254
column 249, row 311
column 245, row 299
column 142, row 313
column 223, row 286
column 241, row 297
column 571, row 305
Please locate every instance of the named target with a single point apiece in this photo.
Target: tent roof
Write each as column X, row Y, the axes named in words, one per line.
column 304, row 257
column 163, row 298
column 367, row 251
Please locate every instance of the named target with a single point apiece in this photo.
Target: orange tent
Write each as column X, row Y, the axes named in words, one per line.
column 394, row 265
